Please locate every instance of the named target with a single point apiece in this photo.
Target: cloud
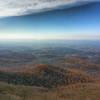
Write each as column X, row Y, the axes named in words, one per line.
column 21, row 7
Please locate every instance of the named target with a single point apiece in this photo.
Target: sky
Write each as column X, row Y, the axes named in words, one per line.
column 49, row 19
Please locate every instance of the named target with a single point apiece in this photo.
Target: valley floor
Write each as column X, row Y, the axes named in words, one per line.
column 51, row 72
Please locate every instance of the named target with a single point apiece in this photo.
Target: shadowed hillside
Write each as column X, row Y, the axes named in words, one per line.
column 45, row 76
